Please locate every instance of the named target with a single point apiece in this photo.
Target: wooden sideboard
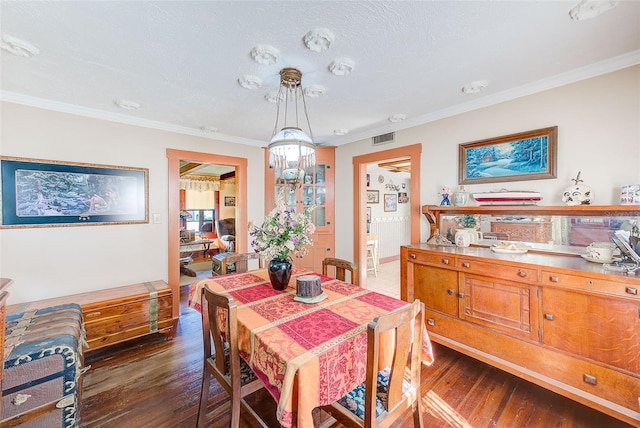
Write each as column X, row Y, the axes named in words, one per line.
column 558, row 321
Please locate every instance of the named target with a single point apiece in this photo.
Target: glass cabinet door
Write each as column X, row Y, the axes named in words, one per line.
column 315, row 190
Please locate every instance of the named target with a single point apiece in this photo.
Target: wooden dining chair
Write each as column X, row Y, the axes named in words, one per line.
column 386, row 394
column 222, row 358
column 241, row 261
column 341, row 268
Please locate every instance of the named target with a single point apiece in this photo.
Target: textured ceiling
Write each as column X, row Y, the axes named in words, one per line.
column 180, row 60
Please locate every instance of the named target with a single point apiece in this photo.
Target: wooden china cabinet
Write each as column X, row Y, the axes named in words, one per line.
column 317, row 189
column 557, row 320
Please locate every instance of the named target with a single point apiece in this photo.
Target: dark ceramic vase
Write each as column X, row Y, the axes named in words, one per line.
column 279, row 273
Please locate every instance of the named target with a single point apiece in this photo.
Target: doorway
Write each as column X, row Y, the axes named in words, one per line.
column 174, row 157
column 360, row 163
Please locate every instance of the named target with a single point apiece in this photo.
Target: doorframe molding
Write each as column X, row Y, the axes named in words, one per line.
column 360, row 163
column 174, row 157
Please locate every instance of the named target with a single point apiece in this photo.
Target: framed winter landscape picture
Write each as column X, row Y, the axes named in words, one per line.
column 528, row 155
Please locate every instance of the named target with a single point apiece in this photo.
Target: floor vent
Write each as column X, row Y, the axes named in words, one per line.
column 383, row 139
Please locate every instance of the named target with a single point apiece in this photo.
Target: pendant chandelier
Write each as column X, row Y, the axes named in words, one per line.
column 291, row 150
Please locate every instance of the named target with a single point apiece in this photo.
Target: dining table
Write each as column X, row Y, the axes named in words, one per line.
column 307, row 354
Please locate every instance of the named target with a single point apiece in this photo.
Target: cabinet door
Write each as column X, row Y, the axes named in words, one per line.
column 436, row 288
column 597, row 327
column 317, row 189
column 505, row 306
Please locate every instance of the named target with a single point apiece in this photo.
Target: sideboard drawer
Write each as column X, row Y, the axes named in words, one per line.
column 591, row 284
column 513, row 273
column 441, row 260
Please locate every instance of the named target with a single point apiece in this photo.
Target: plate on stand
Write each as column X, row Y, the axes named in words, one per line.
column 509, row 251
column 589, row 259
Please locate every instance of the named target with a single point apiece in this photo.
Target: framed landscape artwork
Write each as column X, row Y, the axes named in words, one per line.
column 44, row 193
column 528, row 155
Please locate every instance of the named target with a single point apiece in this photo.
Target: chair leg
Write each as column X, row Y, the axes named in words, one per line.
column 417, row 413
column 204, row 398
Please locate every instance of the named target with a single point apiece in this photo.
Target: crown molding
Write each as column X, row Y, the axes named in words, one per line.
column 583, row 73
column 13, row 97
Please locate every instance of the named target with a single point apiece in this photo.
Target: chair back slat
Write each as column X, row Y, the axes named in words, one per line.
column 341, row 267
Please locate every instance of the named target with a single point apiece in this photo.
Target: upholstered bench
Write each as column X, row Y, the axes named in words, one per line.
column 43, row 366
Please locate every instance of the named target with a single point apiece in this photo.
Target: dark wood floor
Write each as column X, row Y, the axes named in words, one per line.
column 156, row 383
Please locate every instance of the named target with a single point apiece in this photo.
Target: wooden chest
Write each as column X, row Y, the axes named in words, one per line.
column 118, row 314
column 42, row 368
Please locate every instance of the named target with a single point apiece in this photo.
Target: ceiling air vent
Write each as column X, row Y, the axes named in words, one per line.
column 383, row 139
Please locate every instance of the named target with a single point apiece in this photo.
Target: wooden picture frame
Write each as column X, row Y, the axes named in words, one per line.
column 527, row 155
column 46, row 193
column 373, row 196
column 229, row 201
column 390, row 202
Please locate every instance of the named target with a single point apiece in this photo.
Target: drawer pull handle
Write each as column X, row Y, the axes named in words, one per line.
column 466, row 264
column 548, row 317
column 451, row 291
column 462, row 295
column 522, row 273
column 591, row 380
column 631, row 290
column 554, row 279
column 445, row 261
column 413, row 256
column 431, row 321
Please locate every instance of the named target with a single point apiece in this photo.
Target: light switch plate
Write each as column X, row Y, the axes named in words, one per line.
column 157, row 219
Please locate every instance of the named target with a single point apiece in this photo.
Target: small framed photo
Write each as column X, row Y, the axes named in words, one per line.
column 390, row 202
column 368, row 180
column 229, row 201
column 373, row 197
column 403, row 198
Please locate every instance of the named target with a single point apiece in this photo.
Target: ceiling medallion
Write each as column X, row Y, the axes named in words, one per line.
column 342, row 66
column 588, row 9
column 250, row 82
column 398, row 117
column 127, row 105
column 475, row 87
column 209, row 129
column 18, row 47
column 314, row 91
column 265, row 54
column 273, row 97
column 319, row 39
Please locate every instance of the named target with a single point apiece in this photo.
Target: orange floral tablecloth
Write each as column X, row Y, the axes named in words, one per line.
column 308, row 355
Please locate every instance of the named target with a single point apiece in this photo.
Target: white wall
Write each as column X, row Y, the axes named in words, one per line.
column 55, row 261
column 598, row 133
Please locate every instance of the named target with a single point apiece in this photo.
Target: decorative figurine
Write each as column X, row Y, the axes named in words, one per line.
column 578, row 194
column 445, row 196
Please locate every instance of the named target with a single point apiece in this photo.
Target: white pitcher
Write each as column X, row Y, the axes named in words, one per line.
column 474, row 236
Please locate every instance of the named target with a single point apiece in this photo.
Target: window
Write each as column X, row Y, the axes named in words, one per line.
column 199, row 218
